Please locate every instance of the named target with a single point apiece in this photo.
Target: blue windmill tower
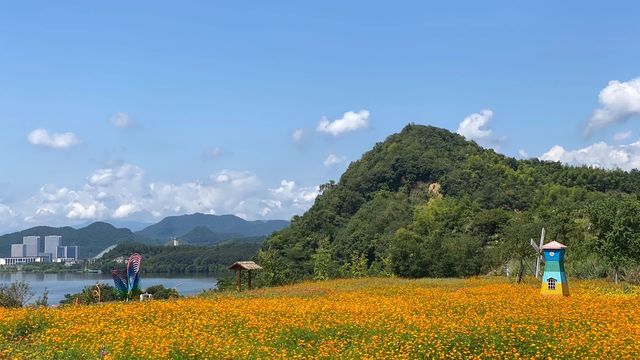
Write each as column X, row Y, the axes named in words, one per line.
column 554, row 279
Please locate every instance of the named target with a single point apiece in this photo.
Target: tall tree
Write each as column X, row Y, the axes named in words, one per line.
column 615, row 221
column 516, row 237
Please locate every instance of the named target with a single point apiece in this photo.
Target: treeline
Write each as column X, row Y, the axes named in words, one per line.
column 180, row 259
column 426, row 202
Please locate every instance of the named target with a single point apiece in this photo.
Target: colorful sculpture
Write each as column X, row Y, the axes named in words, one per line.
column 129, row 283
column 554, row 279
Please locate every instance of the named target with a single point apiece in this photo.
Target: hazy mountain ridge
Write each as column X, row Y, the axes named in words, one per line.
column 224, row 226
column 197, row 229
column 90, row 239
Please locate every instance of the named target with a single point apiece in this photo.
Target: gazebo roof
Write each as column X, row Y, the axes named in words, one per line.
column 554, row 245
column 245, row 265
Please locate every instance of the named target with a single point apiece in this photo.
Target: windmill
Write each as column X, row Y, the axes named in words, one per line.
column 538, row 249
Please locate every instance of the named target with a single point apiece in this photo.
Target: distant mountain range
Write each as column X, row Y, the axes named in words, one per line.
column 131, row 225
column 224, row 226
column 200, row 229
column 90, row 239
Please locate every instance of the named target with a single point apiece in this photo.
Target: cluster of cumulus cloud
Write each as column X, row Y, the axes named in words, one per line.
column 122, row 192
column 619, row 103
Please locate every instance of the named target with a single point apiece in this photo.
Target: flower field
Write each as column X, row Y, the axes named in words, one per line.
column 356, row 318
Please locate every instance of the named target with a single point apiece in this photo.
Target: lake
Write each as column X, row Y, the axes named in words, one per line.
column 70, row 283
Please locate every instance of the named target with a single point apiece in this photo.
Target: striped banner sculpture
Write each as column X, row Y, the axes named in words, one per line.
column 129, row 283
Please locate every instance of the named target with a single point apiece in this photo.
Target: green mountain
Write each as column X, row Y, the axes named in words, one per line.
column 201, row 235
column 426, row 202
column 223, row 227
column 90, row 239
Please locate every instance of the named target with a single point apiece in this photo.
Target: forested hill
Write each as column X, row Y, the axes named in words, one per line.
column 90, row 239
column 426, row 202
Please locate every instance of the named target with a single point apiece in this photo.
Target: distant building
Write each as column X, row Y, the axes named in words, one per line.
column 18, row 250
column 66, row 254
column 34, row 250
column 33, row 245
column 24, row 260
column 51, row 244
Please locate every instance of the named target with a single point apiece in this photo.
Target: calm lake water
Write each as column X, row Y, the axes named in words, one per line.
column 69, row 283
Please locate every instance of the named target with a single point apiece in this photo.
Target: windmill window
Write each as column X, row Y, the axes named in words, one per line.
column 551, row 284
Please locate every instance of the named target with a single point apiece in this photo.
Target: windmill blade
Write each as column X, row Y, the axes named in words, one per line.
column 539, row 249
column 534, row 245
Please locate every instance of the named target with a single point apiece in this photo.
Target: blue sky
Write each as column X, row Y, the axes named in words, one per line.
column 138, row 110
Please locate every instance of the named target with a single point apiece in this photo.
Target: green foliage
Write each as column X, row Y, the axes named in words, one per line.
column 44, row 299
column 358, row 265
column 181, row 259
column 15, row 295
column 275, row 269
column 323, row 264
column 107, row 293
column 160, row 292
column 409, row 254
column 615, row 219
column 516, row 236
column 91, row 295
column 480, row 214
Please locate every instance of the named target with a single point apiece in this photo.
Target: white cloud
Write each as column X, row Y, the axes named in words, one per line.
column 350, row 121
column 121, row 120
column 333, row 159
column 297, row 135
column 620, row 101
column 622, row 136
column 475, row 127
column 42, row 137
column 78, row 210
column 237, row 179
column 472, row 126
column 8, row 218
column 212, row 153
column 523, row 154
column 124, row 210
column 600, row 155
column 290, row 193
column 122, row 192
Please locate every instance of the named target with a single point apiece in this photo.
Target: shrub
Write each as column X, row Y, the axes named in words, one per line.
column 16, row 294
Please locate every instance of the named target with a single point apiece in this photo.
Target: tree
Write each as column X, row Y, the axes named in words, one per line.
column 615, row 221
column 408, row 256
column 16, row 294
column 324, row 267
column 275, row 270
column 44, row 299
column 358, row 265
column 516, row 236
column 160, row 292
column 91, row 295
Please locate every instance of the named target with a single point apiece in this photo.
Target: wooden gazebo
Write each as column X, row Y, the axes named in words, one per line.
column 241, row 266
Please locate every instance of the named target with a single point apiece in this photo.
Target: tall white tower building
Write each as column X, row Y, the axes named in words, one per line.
column 51, row 244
